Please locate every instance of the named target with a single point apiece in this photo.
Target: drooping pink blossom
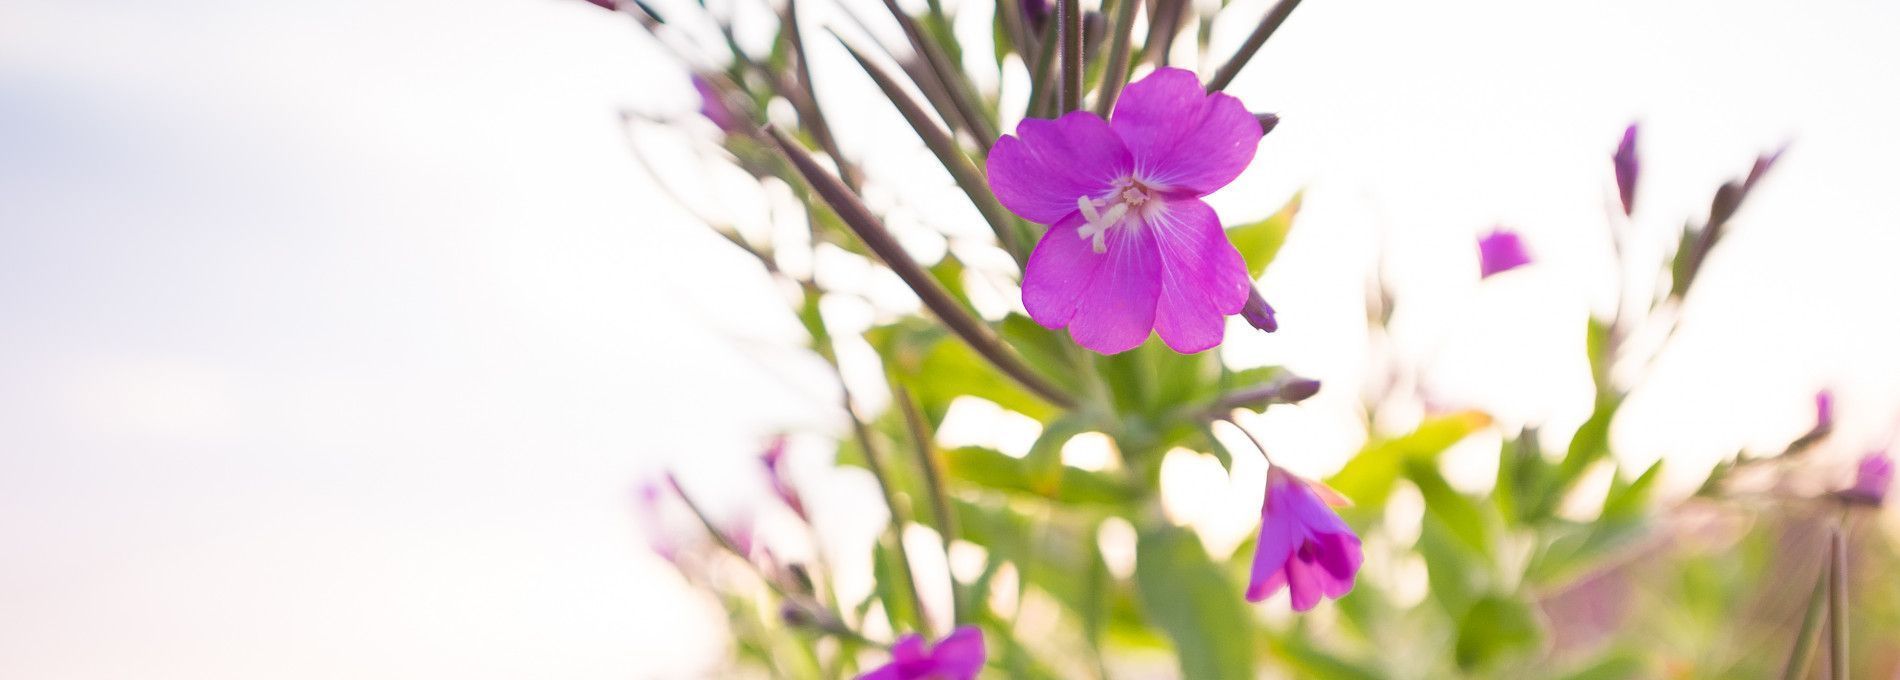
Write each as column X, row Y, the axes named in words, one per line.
column 1131, row 248
column 1304, row 546
column 1872, row 478
column 1627, row 167
column 1500, row 251
column 958, row 656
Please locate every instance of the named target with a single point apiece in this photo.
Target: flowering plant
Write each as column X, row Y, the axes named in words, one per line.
column 1066, row 558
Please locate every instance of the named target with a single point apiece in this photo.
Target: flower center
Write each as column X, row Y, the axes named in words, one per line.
column 1122, row 204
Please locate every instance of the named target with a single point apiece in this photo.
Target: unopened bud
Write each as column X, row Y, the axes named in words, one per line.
column 1257, row 312
column 1871, row 480
column 1268, row 121
column 801, row 578
column 1627, row 168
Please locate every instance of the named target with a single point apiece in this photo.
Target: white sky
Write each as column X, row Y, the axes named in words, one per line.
column 336, row 334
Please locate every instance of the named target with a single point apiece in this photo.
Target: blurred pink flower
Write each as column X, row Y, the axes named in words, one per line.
column 1500, row 251
column 1872, row 478
column 1303, row 545
column 1627, row 167
column 649, row 499
column 957, row 656
column 774, row 458
column 1131, row 248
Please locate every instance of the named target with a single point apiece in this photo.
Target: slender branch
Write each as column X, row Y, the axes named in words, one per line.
column 1117, row 73
column 1803, row 651
column 946, row 308
column 1837, row 661
column 932, row 466
column 1010, row 12
column 811, row 113
column 1162, row 25
column 1276, row 16
column 1069, row 19
column 1042, row 77
column 957, row 88
column 874, row 461
column 961, row 169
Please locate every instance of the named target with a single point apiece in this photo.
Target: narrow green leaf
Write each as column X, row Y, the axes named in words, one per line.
column 1494, row 628
column 1190, row 598
column 1259, row 242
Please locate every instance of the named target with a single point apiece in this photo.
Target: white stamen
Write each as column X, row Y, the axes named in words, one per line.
column 1097, row 222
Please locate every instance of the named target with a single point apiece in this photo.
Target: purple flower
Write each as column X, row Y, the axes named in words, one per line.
column 1303, row 545
column 1131, row 248
column 773, row 458
column 648, row 498
column 1626, row 169
column 956, row 657
column 1823, row 410
column 713, row 106
column 1500, row 251
column 1872, row 478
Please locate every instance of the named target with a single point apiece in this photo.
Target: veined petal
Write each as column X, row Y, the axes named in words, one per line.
column 1116, row 310
column 1203, row 278
column 1303, row 580
column 1040, row 171
column 1339, row 556
column 1183, row 137
column 1058, row 272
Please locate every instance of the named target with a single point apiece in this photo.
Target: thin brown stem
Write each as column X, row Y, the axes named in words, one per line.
column 946, row 308
column 932, row 467
column 1116, row 75
column 1268, row 24
column 1069, row 33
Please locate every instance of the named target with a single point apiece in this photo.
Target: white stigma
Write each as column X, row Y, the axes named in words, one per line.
column 1100, row 215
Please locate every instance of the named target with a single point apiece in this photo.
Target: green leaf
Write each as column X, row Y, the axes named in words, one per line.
column 1190, row 598
column 1496, row 627
column 1459, row 513
column 1259, row 241
column 1617, row 666
column 995, row 470
column 1367, row 479
column 1597, row 344
column 1301, row 655
column 1628, row 501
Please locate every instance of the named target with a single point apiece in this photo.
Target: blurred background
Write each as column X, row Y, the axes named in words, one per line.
column 334, row 337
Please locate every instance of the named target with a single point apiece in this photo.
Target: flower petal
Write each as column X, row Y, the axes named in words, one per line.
column 1339, row 556
column 1116, row 310
column 1303, row 580
column 1270, row 556
column 1058, row 273
column 1203, row 278
column 1183, row 137
column 1039, row 172
column 960, row 655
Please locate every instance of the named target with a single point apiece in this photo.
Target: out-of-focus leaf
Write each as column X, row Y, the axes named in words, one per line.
column 1681, row 268
column 949, row 272
column 1259, row 241
column 1459, row 513
column 992, row 469
column 1494, row 628
column 1368, row 478
column 1616, row 666
column 1521, row 476
column 1043, row 465
column 1597, row 344
column 1309, row 661
column 1454, row 571
column 1045, row 350
column 1627, row 501
column 892, row 588
column 938, row 368
column 1590, row 444
column 1185, row 594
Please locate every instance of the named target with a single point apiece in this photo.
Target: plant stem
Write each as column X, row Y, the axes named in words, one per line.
column 1268, row 24
column 955, row 87
column 1803, row 651
column 1069, row 19
column 1837, row 607
column 932, row 466
column 961, row 169
column 810, row 113
column 874, row 461
column 1116, row 74
column 946, row 308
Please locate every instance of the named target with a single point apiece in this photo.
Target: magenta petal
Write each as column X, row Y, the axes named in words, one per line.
column 1270, row 557
column 1058, row 273
column 1303, row 580
column 1203, row 278
column 1116, row 310
column 1183, row 137
column 1039, row 172
column 960, row 655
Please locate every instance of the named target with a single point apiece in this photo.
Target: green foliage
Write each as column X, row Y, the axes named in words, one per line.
column 1186, row 595
column 1260, row 241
